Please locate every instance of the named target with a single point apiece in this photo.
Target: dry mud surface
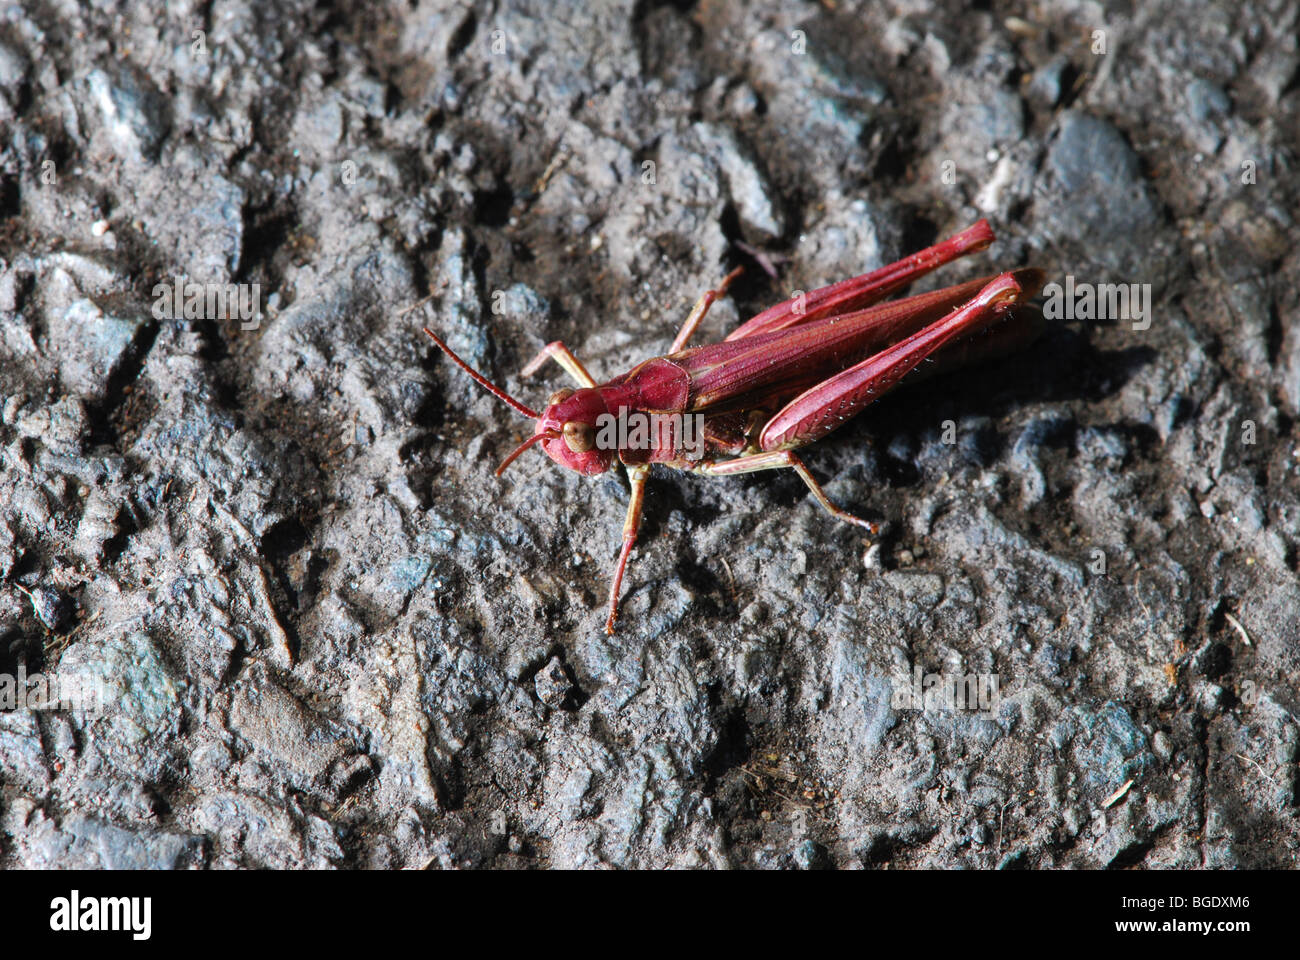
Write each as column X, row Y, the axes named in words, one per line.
column 329, row 637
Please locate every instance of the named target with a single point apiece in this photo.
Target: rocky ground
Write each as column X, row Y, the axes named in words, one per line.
column 329, row 637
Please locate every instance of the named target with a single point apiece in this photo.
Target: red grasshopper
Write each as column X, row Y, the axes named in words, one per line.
column 783, row 379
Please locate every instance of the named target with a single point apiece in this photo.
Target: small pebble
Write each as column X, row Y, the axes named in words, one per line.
column 552, row 683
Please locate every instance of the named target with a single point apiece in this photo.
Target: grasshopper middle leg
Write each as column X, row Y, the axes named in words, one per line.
column 777, row 460
column 701, row 308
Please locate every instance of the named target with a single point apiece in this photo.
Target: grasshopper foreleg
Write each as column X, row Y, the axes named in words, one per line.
column 638, row 476
column 562, row 355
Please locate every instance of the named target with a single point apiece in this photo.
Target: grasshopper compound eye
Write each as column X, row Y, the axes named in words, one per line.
column 578, row 436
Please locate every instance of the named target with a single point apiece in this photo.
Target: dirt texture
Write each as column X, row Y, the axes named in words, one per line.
column 331, row 638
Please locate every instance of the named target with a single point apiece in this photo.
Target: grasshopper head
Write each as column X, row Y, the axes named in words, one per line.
column 569, row 424
column 566, row 429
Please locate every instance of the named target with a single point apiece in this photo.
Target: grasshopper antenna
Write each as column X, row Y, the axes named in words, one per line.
column 486, row 384
column 535, row 438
